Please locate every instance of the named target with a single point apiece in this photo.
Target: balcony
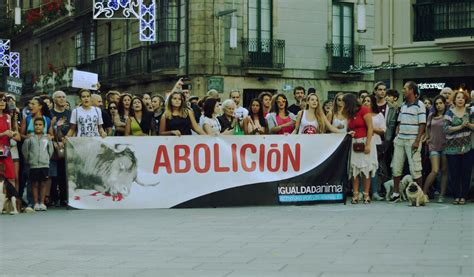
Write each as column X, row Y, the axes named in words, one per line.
column 164, row 56
column 445, row 20
column 342, row 56
column 138, row 61
column 116, row 66
column 264, row 54
column 98, row 66
column 135, row 64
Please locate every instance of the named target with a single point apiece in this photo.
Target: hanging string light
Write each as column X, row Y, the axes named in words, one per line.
column 138, row 9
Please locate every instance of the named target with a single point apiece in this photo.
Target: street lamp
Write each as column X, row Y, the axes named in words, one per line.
column 361, row 23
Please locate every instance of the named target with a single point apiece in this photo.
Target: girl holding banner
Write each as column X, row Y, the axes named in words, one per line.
column 280, row 120
column 312, row 119
column 178, row 119
column 140, row 121
column 255, row 123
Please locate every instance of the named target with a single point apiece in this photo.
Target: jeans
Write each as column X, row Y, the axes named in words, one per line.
column 374, row 183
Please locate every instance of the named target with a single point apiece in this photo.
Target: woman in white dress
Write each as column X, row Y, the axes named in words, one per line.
column 379, row 127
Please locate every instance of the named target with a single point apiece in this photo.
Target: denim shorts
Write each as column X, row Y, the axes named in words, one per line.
column 436, row 153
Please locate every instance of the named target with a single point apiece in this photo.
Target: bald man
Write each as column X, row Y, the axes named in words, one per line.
column 96, row 100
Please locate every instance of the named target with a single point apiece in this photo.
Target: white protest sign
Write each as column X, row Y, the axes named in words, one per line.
column 84, row 79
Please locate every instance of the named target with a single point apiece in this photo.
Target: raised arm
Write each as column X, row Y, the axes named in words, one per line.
column 194, row 124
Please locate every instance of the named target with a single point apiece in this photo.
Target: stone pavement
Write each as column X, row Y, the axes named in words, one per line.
column 324, row 240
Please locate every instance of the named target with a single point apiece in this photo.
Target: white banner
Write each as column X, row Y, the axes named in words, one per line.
column 163, row 172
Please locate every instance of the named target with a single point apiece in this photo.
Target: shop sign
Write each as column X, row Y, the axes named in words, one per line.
column 431, row 85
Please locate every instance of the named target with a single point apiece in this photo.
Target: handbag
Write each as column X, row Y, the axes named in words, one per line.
column 4, row 151
column 58, row 150
column 358, row 147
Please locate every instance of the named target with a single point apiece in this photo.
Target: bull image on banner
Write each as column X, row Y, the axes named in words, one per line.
column 206, row 171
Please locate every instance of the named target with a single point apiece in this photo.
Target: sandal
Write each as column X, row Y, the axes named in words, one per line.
column 355, row 198
column 456, row 201
column 462, row 201
column 366, row 198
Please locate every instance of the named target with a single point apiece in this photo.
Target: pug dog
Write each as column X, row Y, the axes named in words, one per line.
column 10, row 202
column 415, row 195
column 403, row 184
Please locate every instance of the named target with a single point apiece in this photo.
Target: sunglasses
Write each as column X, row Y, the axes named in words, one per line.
column 339, row 99
column 112, row 108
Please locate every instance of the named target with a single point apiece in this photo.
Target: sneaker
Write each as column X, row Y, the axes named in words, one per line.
column 37, row 207
column 43, row 207
column 376, row 196
column 395, row 198
column 29, row 210
column 441, row 199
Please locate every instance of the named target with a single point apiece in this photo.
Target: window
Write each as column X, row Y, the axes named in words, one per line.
column 109, row 37
column 341, row 50
column 342, row 24
column 86, row 44
column 59, row 52
column 167, row 20
column 91, row 47
column 79, row 48
column 128, row 35
column 442, row 19
column 260, row 25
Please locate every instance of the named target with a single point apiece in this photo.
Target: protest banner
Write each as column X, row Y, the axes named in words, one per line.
column 206, row 171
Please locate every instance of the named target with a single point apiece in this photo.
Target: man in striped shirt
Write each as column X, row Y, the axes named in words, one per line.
column 407, row 143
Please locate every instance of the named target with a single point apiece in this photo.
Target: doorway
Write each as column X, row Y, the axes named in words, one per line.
column 250, row 94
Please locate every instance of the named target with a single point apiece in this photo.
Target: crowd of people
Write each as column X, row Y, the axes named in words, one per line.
column 435, row 136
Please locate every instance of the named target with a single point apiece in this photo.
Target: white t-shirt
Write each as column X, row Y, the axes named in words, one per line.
column 241, row 113
column 87, row 121
column 201, row 121
column 378, row 121
column 213, row 123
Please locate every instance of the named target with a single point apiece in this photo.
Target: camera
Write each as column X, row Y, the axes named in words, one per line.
column 186, row 83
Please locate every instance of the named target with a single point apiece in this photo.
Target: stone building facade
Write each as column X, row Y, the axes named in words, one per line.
column 428, row 41
column 279, row 45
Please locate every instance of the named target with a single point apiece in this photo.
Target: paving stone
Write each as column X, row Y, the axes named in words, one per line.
column 321, row 240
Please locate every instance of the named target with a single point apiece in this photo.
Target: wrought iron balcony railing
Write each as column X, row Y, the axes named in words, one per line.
column 342, row 56
column 135, row 62
column 100, row 67
column 138, row 61
column 442, row 19
column 164, row 56
column 263, row 53
column 116, row 66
